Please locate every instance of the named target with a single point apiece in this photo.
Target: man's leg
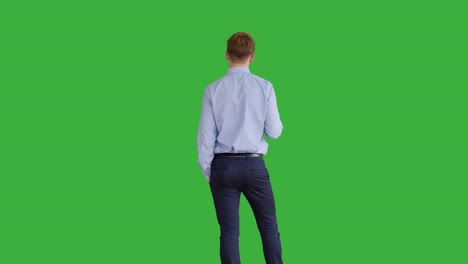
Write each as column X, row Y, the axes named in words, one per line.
column 259, row 194
column 224, row 185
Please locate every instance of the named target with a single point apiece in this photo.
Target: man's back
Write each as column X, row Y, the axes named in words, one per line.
column 239, row 102
column 237, row 110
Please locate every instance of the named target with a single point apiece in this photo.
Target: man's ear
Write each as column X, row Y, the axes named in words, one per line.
column 227, row 55
column 251, row 58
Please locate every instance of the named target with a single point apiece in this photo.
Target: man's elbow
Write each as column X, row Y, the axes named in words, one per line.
column 274, row 134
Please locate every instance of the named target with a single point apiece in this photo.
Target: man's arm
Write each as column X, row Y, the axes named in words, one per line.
column 206, row 136
column 273, row 124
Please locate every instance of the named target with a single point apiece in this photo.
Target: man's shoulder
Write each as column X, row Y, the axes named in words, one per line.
column 261, row 80
column 217, row 82
column 210, row 88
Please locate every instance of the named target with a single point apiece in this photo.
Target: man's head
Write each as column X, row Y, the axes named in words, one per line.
column 240, row 49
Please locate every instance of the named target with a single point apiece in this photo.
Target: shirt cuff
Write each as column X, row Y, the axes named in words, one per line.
column 207, row 172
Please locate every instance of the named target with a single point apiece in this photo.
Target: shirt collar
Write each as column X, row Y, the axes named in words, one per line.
column 238, row 69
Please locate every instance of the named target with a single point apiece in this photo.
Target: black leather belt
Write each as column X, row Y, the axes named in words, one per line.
column 240, row 155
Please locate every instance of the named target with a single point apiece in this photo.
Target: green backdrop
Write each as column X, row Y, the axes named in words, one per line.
column 99, row 110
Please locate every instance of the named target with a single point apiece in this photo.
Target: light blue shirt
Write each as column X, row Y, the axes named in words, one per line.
column 237, row 111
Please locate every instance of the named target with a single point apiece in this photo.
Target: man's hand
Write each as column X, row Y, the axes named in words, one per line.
column 208, row 180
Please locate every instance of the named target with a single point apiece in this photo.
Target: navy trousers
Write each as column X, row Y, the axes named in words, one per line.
column 231, row 176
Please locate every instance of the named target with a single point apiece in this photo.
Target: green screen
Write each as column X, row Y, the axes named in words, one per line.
column 99, row 110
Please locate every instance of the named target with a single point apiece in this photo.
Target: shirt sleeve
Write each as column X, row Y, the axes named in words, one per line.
column 207, row 134
column 273, row 124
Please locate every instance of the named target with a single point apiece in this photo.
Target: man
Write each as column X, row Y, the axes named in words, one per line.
column 236, row 111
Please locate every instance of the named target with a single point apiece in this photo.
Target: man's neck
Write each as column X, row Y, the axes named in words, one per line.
column 236, row 64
